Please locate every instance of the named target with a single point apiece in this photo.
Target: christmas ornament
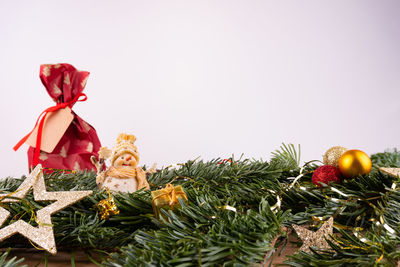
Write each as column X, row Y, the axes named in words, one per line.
column 60, row 138
column 167, row 198
column 326, row 174
column 315, row 239
column 225, row 161
column 332, row 155
column 354, row 162
column 395, row 172
column 124, row 175
column 107, row 207
column 42, row 235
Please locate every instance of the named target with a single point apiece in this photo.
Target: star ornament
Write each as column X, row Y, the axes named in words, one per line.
column 42, row 235
column 315, row 239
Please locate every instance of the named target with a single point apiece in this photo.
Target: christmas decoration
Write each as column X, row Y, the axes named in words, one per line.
column 333, row 154
column 395, row 172
column 225, row 161
column 232, row 218
column 107, row 207
column 326, row 174
column 61, row 139
column 354, row 162
column 124, row 175
column 315, row 239
column 43, row 234
column 167, row 198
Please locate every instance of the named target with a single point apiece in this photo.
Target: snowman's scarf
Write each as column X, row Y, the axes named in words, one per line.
column 121, row 172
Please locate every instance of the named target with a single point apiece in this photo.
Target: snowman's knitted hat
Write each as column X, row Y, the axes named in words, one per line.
column 125, row 144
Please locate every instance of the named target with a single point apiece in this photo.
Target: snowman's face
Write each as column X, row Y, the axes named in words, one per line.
column 126, row 160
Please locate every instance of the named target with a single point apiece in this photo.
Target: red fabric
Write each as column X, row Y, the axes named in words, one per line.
column 65, row 84
column 326, row 174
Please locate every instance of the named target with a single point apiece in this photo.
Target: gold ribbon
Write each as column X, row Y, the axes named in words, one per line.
column 357, row 230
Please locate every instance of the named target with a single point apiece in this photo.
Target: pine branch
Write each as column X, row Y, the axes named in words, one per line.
column 204, row 232
column 13, row 262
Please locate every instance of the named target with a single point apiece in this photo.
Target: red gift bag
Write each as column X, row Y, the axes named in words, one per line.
column 64, row 84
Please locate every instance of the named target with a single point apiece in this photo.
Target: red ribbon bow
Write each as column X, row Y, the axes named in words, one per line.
column 41, row 123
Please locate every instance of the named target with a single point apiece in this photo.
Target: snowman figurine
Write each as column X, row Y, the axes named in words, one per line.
column 124, row 174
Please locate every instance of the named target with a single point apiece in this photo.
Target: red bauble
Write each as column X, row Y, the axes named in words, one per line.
column 326, row 174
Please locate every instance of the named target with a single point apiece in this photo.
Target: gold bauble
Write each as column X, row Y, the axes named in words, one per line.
column 354, row 162
column 333, row 154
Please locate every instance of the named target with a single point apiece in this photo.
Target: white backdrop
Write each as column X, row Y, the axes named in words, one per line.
column 209, row 78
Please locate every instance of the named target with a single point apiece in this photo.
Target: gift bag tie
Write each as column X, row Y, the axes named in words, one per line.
column 41, row 120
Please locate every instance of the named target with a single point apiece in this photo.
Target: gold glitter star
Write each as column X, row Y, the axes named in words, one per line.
column 395, row 172
column 42, row 235
column 315, row 239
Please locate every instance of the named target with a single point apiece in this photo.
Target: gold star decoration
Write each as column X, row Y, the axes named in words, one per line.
column 315, row 239
column 42, row 235
column 395, row 172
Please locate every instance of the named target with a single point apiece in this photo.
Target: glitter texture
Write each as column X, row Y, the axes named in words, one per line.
column 107, row 208
column 42, row 235
column 395, row 172
column 326, row 174
column 333, row 154
column 315, row 239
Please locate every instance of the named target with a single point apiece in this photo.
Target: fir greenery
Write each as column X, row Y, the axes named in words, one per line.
column 205, row 233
